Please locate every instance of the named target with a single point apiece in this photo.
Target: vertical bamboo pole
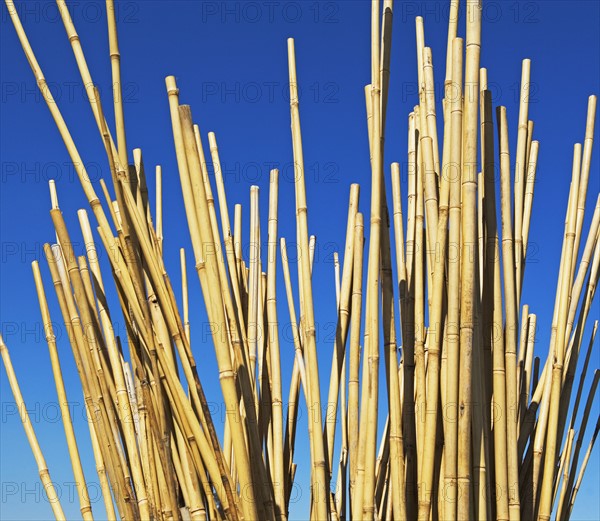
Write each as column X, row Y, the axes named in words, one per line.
column 469, row 239
column 511, row 326
column 320, row 482
column 520, row 172
column 455, row 106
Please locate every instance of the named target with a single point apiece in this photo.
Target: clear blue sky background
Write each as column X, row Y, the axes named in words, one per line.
column 231, row 64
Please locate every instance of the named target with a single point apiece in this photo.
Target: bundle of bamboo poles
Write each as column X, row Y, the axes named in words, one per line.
column 477, row 427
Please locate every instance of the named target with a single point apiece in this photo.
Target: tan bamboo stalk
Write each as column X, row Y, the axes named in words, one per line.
column 542, row 394
column 492, row 300
column 320, row 482
column 434, row 343
column 99, row 402
column 159, row 207
column 419, row 276
column 564, row 470
column 521, row 171
column 234, row 326
column 482, row 507
column 125, row 405
column 584, row 264
column 342, row 326
column 529, row 188
column 353, row 381
column 525, row 385
column 106, row 450
column 115, row 61
column 76, row 160
column 122, row 396
column 107, row 498
column 299, row 376
column 452, row 29
column 412, row 187
column 585, row 171
column 511, row 325
column 522, row 346
column 582, row 428
column 225, row 224
column 427, row 164
column 184, row 294
column 273, row 337
column 575, row 343
column 396, row 481
column 469, row 238
column 177, row 396
column 545, row 504
column 177, row 333
column 574, row 348
column 237, row 242
column 582, row 376
column 583, row 467
column 370, row 395
column 481, row 242
column 227, row 379
column 453, row 173
column 253, row 333
column 430, row 115
column 80, row 483
column 40, row 461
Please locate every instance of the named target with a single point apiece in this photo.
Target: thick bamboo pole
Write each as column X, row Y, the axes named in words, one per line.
column 454, row 100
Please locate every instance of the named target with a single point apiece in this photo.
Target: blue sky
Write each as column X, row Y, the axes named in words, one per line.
column 230, row 60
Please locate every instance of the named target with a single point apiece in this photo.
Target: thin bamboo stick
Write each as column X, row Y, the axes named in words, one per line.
column 53, row 497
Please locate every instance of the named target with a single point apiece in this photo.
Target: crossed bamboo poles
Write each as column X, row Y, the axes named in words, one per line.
column 455, row 309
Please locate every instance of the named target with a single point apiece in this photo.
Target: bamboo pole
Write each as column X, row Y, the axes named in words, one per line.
column 320, row 482
column 469, row 238
column 80, row 483
column 40, row 461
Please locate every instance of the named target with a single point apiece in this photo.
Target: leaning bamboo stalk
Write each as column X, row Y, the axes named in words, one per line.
column 342, row 326
column 545, row 504
column 582, row 469
column 159, row 207
column 585, row 171
column 40, row 461
column 122, row 396
column 184, row 294
column 564, row 470
column 76, row 160
column 205, row 262
column 115, row 62
column 105, row 454
column 80, row 483
column 582, row 376
column 319, row 472
column 529, row 188
column 520, row 172
column 581, row 430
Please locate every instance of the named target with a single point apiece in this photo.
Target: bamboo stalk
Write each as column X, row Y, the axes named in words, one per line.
column 40, row 461
column 320, row 482
column 80, row 483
